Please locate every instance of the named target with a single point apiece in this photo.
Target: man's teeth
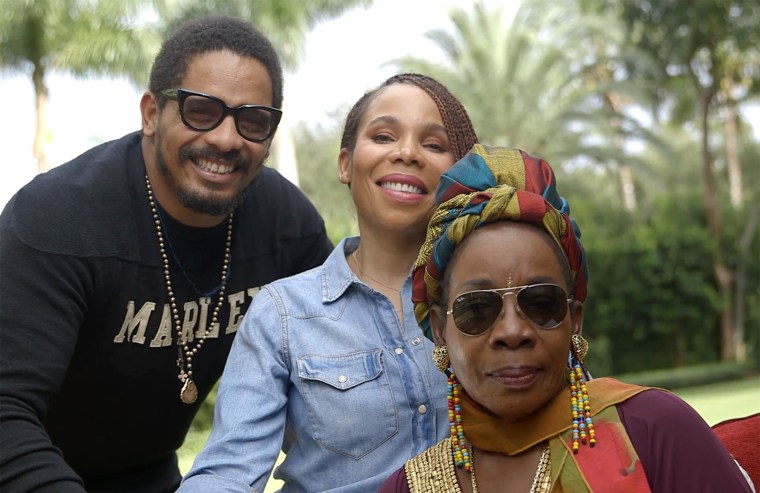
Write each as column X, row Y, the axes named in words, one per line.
column 401, row 187
column 221, row 169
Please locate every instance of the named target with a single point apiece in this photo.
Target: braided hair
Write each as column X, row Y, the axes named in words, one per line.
column 455, row 118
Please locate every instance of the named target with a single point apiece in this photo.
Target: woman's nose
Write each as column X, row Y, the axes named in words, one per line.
column 408, row 152
column 511, row 329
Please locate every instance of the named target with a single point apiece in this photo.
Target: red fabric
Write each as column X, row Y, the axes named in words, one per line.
column 741, row 436
column 612, row 465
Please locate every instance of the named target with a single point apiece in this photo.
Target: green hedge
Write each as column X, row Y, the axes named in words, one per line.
column 677, row 378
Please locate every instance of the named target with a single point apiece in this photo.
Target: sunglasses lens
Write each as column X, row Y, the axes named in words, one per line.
column 201, row 113
column 475, row 312
column 544, row 304
column 255, row 123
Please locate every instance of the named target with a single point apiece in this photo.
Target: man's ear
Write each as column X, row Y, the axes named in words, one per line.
column 438, row 324
column 576, row 316
column 344, row 166
column 149, row 113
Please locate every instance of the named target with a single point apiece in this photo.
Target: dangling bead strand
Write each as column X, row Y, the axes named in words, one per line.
column 583, row 426
column 458, row 444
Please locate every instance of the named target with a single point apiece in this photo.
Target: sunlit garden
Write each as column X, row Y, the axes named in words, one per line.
column 648, row 112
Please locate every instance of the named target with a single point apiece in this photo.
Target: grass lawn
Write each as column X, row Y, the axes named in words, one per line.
column 721, row 401
column 714, row 402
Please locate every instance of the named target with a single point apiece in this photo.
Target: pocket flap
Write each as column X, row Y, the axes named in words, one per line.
column 342, row 371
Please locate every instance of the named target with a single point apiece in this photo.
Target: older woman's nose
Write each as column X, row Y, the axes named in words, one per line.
column 511, row 329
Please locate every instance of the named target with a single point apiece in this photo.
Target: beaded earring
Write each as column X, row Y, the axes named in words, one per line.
column 458, row 444
column 583, row 426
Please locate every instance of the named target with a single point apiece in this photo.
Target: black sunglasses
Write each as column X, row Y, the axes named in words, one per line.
column 476, row 311
column 202, row 112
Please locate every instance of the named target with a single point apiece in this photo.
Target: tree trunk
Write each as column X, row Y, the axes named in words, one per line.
column 41, row 129
column 745, row 242
column 723, row 275
column 284, row 148
column 628, row 187
column 735, row 185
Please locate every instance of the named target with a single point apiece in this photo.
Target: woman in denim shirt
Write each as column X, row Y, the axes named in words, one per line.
column 329, row 366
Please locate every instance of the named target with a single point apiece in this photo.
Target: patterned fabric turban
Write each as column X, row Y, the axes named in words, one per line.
column 493, row 184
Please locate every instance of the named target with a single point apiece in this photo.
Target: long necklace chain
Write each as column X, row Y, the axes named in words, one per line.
column 189, row 392
column 367, row 276
column 542, row 480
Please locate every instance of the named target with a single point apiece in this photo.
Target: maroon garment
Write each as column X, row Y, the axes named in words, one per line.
column 679, row 451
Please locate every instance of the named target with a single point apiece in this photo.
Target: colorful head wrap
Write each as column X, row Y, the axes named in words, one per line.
column 493, row 184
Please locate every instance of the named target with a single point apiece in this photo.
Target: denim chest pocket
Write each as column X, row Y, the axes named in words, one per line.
column 349, row 401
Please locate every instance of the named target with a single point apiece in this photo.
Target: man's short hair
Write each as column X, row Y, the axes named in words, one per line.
column 213, row 34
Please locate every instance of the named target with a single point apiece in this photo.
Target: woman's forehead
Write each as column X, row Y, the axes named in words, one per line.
column 402, row 98
column 509, row 246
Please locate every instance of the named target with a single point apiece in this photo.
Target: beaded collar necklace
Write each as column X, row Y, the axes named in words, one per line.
column 189, row 392
column 542, row 480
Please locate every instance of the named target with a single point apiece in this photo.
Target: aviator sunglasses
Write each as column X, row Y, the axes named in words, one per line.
column 202, row 112
column 475, row 312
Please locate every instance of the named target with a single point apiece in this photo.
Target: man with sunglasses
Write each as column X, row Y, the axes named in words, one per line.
column 126, row 272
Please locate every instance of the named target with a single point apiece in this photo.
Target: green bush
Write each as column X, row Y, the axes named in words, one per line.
column 689, row 376
column 652, row 299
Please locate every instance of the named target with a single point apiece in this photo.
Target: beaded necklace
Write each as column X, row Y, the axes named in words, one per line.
column 178, row 263
column 189, row 392
column 542, row 480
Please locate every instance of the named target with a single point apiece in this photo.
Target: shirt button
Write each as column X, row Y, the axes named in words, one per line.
column 422, row 409
column 416, row 341
column 399, row 350
column 342, row 379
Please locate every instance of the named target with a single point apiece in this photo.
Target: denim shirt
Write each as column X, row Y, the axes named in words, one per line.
column 323, row 369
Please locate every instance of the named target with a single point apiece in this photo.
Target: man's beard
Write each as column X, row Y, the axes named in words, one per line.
column 209, row 203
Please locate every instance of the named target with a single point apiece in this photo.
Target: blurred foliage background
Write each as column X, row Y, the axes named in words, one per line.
column 639, row 106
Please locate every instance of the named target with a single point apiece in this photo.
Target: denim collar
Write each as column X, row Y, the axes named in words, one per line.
column 337, row 275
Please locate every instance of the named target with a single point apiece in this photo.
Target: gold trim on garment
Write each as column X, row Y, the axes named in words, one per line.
column 433, row 471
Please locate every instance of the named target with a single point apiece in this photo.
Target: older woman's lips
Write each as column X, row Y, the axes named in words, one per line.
column 515, row 377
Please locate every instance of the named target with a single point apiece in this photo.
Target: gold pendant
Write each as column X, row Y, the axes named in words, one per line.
column 189, row 392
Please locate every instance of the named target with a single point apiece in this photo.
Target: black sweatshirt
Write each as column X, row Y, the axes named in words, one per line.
column 89, row 394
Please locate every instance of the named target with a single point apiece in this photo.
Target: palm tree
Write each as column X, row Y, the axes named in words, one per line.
column 81, row 38
column 118, row 38
column 542, row 82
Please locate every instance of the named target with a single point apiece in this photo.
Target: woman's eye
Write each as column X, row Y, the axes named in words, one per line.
column 382, row 138
column 435, row 147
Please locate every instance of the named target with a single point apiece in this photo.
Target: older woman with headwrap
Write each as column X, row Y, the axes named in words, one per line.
column 499, row 285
